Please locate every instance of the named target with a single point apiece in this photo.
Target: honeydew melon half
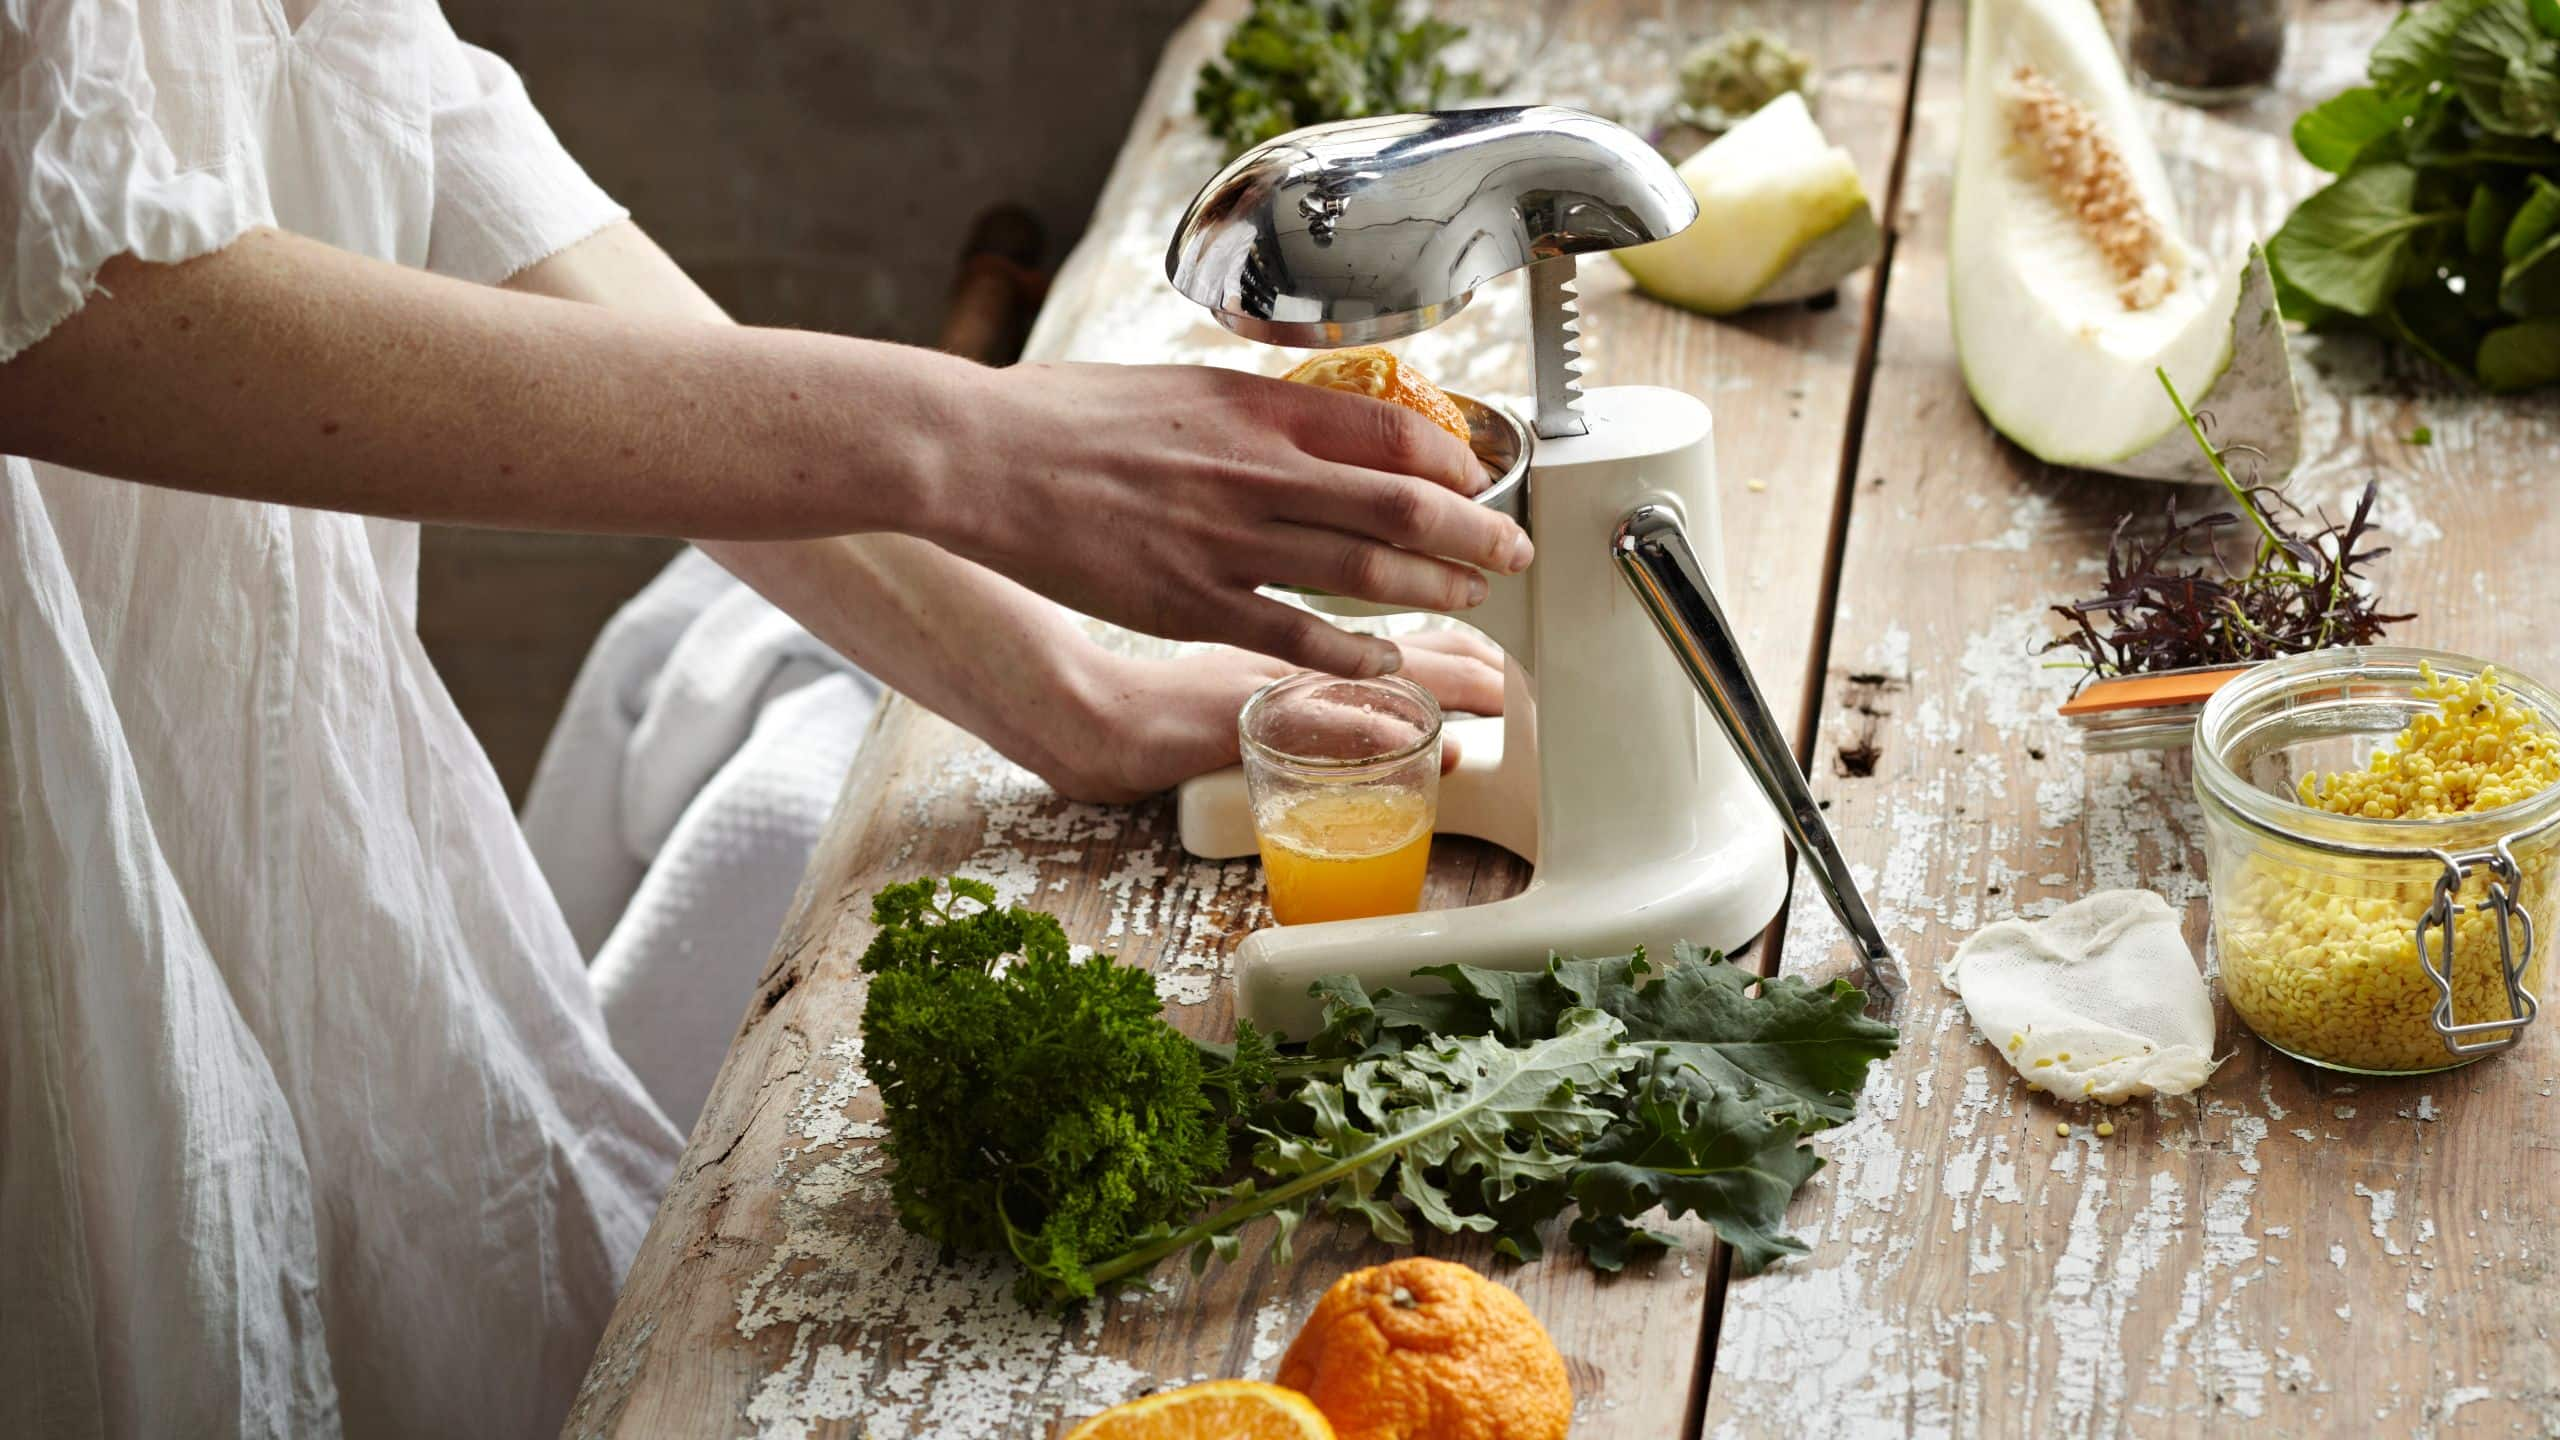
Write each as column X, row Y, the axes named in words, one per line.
column 1782, row 216
column 2070, row 279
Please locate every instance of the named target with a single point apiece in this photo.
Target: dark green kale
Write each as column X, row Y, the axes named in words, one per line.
column 1607, row 1085
column 1293, row 63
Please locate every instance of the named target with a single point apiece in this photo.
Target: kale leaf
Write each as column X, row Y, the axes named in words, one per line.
column 1691, row 1147
column 1502, row 1098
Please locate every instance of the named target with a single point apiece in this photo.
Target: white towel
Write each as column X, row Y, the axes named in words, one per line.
column 698, row 756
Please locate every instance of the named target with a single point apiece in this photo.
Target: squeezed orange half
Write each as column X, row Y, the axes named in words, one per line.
column 1340, row 854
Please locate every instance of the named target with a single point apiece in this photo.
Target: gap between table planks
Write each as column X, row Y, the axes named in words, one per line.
column 2287, row 1253
column 774, row 1292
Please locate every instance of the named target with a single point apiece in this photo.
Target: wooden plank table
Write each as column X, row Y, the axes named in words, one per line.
column 2286, row 1253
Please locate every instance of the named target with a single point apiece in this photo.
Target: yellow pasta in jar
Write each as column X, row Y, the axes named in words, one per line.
column 2320, row 957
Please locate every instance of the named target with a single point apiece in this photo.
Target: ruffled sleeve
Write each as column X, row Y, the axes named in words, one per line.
column 507, row 193
column 86, row 173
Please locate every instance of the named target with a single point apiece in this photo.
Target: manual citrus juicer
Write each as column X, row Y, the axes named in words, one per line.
column 1642, row 825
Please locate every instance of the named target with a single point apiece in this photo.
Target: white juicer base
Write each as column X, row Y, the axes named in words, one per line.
column 1606, row 771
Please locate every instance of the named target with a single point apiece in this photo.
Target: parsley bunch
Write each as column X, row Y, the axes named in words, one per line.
column 1036, row 1103
column 2442, row 230
column 1293, row 63
column 1039, row 1105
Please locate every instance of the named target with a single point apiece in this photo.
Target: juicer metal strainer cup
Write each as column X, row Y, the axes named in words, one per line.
column 1645, row 827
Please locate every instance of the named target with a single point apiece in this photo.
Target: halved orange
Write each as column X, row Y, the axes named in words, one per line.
column 1212, row 1410
column 1375, row 371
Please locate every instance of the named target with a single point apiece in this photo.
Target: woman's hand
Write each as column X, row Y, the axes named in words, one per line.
column 1147, row 725
column 1159, row 496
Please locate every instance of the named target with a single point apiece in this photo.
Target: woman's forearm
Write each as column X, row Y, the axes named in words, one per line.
column 283, row 369
column 958, row 638
column 1013, row 669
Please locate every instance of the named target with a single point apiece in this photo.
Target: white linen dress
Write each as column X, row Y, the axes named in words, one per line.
column 308, row 1122
column 690, row 774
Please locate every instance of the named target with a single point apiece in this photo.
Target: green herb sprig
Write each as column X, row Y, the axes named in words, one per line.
column 2442, row 230
column 1294, row 63
column 1037, row 1105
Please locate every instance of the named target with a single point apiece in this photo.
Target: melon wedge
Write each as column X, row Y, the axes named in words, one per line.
column 2070, row 279
column 1782, row 216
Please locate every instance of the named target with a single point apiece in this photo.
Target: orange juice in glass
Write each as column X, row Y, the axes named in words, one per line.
column 1344, row 777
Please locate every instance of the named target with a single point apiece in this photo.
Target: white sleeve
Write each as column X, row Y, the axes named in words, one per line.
column 507, row 194
column 85, row 172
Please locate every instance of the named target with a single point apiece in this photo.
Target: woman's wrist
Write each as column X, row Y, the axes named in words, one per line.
column 945, row 416
column 1082, row 745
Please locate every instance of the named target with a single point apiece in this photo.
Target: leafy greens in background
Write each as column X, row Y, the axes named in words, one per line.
column 1038, row 1104
column 1293, row 63
column 2441, row 231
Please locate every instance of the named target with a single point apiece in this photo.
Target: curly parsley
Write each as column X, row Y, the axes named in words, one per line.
column 1294, row 63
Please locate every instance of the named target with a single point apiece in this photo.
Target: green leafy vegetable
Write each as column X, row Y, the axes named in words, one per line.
column 2411, row 54
column 2439, row 230
column 1691, row 1149
column 2348, row 246
column 1801, row 1050
column 1039, row 1105
column 2333, row 133
column 2507, row 70
column 2533, row 222
column 2521, row 357
column 2485, row 222
column 1293, row 63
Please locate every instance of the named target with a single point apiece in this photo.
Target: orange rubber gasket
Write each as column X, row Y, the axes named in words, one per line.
column 2149, row 692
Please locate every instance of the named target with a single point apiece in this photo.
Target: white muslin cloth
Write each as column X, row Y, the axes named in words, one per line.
column 697, row 758
column 309, row 1124
column 2100, row 1000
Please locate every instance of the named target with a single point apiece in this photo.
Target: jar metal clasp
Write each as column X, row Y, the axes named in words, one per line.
column 2515, row 948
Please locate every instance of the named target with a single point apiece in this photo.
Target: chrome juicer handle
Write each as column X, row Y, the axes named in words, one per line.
column 1654, row 556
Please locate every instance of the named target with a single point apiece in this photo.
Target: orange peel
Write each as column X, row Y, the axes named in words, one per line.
column 1421, row 1349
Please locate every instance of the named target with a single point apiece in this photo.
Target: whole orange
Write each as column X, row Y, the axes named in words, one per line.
column 1425, row 1350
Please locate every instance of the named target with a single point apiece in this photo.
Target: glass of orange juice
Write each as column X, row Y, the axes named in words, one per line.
column 1344, row 777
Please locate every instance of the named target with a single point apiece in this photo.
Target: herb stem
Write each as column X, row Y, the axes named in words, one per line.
column 2268, row 538
column 1265, row 1201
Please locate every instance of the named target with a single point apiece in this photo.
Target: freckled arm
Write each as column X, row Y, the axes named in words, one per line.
column 283, row 369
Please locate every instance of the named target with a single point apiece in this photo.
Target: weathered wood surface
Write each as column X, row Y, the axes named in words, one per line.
column 775, row 1293
column 2287, row 1252
column 2291, row 1253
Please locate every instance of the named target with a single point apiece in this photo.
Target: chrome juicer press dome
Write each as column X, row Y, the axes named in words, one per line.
column 1643, row 825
